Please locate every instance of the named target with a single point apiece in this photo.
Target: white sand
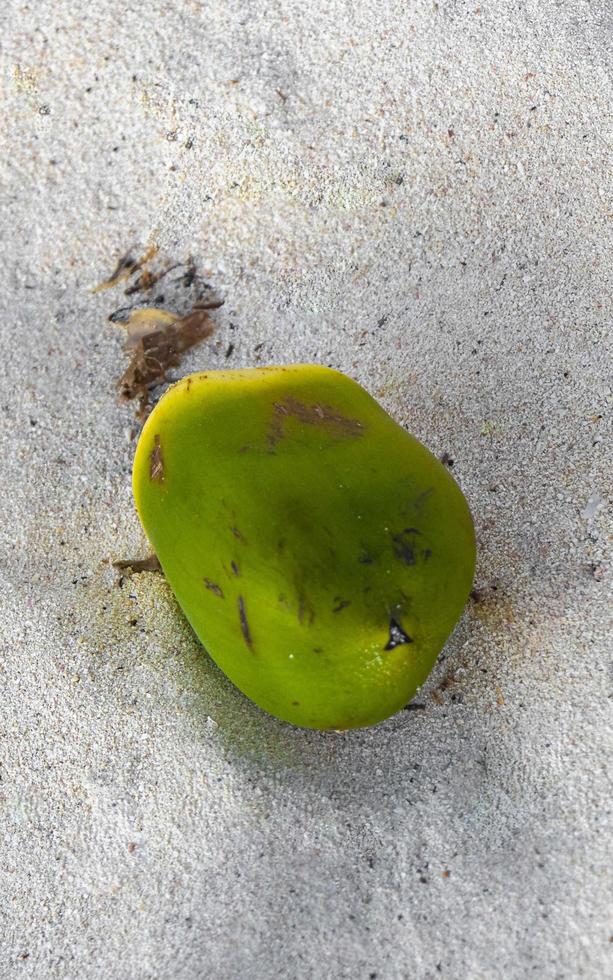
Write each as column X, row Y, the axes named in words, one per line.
column 419, row 194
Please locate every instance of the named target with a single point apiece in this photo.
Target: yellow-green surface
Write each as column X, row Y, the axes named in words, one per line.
column 319, row 551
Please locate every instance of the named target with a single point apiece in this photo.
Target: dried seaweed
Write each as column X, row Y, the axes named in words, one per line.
column 156, row 337
column 126, row 267
column 147, row 280
column 150, row 564
column 156, row 341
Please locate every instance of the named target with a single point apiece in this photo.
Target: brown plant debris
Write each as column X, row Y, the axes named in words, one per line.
column 157, row 337
column 156, row 341
column 126, row 267
column 154, row 267
column 148, row 279
column 150, row 564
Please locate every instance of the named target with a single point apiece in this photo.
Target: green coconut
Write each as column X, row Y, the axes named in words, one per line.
column 321, row 553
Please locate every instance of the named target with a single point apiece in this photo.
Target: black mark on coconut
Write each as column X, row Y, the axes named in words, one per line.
column 306, row 613
column 340, row 604
column 366, row 558
column 397, row 636
column 213, row 587
column 423, row 497
column 242, row 615
column 405, row 545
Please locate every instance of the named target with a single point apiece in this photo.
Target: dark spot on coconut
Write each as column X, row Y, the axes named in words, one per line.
column 397, row 636
column 340, row 604
column 318, row 415
column 213, row 587
column 423, row 497
column 235, row 569
column 237, row 534
column 156, row 462
column 366, row 559
column 404, row 545
column 242, row 616
column 305, row 609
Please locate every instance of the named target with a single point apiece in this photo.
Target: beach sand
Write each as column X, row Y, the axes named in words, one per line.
column 419, row 195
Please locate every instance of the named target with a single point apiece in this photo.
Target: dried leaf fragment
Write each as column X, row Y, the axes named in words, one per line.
column 147, row 280
column 157, row 339
column 126, row 267
column 150, row 564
